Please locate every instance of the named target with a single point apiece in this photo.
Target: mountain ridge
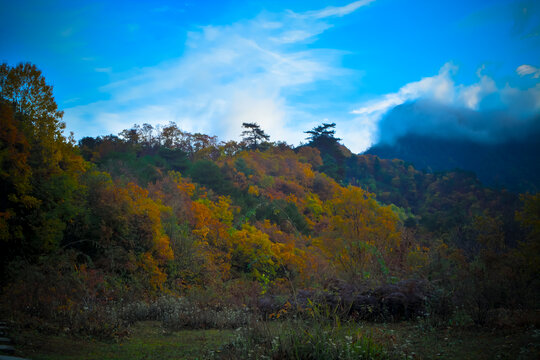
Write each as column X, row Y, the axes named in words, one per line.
column 511, row 164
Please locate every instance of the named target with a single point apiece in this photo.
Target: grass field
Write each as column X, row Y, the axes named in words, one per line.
column 147, row 341
column 406, row 340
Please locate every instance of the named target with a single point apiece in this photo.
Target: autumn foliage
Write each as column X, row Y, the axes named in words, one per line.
column 157, row 211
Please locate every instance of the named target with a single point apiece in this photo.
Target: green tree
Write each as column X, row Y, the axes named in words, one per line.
column 15, row 175
column 25, row 87
column 131, row 136
column 332, row 153
column 254, row 135
column 41, row 189
column 322, row 133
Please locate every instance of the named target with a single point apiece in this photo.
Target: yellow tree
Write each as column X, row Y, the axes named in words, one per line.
column 211, row 223
column 363, row 235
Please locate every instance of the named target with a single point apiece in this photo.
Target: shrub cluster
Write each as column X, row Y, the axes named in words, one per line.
column 179, row 313
column 299, row 340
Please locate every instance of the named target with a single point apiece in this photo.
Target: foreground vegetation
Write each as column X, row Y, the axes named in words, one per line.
column 292, row 246
column 150, row 340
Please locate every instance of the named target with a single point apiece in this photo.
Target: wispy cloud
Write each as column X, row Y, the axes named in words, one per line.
column 104, row 70
column 525, row 70
column 337, row 10
column 229, row 74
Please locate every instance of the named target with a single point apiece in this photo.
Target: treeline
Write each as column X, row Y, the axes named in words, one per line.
column 116, row 219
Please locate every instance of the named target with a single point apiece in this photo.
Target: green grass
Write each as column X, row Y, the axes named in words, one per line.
column 406, row 340
column 147, row 341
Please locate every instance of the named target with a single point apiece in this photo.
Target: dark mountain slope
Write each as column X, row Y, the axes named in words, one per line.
column 512, row 164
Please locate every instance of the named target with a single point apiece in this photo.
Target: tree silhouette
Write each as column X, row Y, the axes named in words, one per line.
column 322, row 133
column 253, row 135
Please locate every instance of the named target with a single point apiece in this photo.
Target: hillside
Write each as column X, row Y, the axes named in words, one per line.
column 501, row 148
column 163, row 224
column 512, row 164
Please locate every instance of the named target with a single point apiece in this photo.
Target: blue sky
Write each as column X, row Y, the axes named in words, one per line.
column 287, row 65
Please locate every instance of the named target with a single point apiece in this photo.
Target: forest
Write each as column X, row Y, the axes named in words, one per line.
column 307, row 252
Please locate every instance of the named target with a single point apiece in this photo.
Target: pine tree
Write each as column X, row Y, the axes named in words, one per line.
column 253, row 135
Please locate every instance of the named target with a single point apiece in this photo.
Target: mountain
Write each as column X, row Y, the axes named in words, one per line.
column 501, row 146
column 512, row 164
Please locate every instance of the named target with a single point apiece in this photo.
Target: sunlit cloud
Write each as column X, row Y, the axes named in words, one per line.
column 242, row 72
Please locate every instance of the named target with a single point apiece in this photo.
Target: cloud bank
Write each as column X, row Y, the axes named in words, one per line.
column 436, row 105
column 243, row 72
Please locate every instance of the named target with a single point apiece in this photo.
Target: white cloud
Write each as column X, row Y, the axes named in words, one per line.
column 337, row 11
column 228, row 75
column 470, row 96
column 525, row 70
column 439, row 87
